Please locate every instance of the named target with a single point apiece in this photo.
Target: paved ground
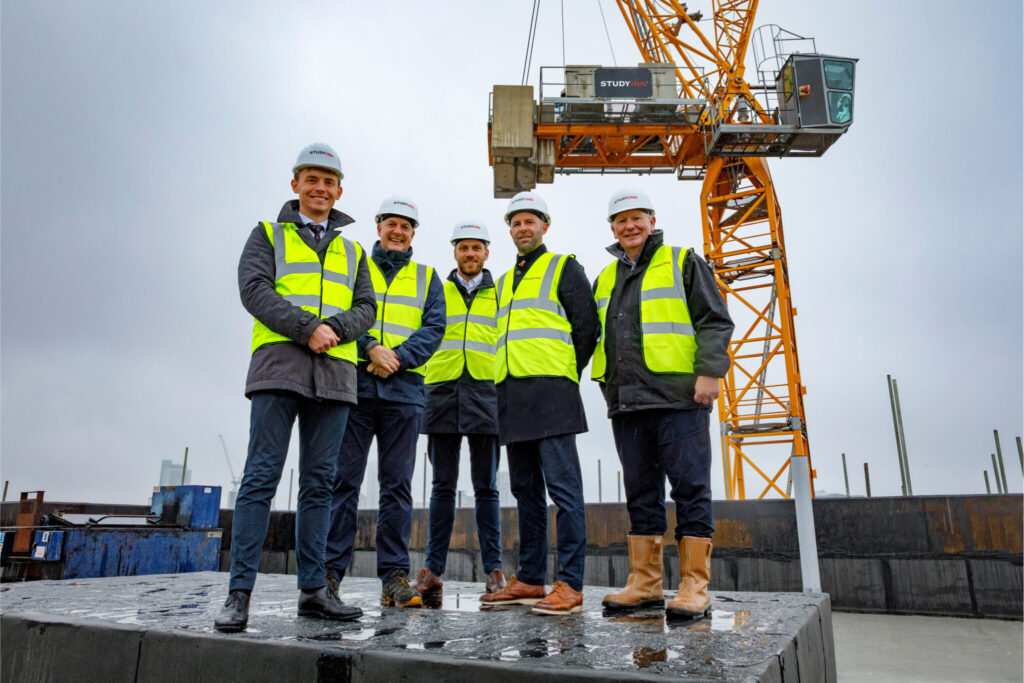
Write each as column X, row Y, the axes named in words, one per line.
column 882, row 647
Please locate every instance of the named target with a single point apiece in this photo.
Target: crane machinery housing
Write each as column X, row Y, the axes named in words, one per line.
column 687, row 109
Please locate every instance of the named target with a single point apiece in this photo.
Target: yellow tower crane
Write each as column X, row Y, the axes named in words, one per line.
column 687, row 109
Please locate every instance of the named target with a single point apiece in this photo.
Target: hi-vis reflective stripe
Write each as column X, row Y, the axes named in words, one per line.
column 459, row 344
column 303, row 299
column 396, row 329
column 470, row 318
column 667, row 328
column 535, row 333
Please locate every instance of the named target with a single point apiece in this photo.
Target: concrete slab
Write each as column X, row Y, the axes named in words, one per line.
column 927, row 649
column 160, row 628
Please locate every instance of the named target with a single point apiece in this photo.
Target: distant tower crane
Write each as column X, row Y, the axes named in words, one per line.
column 235, row 481
column 687, row 109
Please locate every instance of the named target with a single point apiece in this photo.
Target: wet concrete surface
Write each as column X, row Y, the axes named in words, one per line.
column 749, row 636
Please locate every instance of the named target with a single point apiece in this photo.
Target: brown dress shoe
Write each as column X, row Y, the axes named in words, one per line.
column 428, row 583
column 515, row 592
column 495, row 581
column 561, row 600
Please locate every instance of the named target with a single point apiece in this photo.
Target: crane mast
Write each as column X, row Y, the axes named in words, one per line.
column 707, row 125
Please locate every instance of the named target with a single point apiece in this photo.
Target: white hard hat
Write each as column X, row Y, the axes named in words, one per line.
column 397, row 205
column 629, row 198
column 320, row 155
column 527, row 201
column 470, row 230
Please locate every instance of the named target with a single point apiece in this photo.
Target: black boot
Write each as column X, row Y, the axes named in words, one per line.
column 234, row 616
column 324, row 604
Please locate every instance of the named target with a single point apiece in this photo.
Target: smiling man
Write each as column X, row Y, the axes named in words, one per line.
column 309, row 292
column 547, row 327
column 664, row 344
column 392, row 359
column 462, row 401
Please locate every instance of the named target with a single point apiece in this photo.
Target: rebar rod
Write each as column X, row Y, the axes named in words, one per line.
column 995, row 473
column 988, row 488
column 999, row 456
column 903, row 437
column 896, row 429
column 846, row 478
column 867, row 480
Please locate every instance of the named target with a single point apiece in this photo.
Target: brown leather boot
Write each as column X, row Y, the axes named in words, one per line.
column 515, row 592
column 643, row 588
column 428, row 583
column 495, row 581
column 692, row 599
column 563, row 599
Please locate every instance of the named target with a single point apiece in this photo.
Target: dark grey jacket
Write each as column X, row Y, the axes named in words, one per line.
column 629, row 385
column 464, row 405
column 292, row 366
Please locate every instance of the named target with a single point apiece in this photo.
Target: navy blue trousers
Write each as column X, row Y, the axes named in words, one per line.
column 321, row 425
column 397, row 427
column 654, row 444
column 552, row 464
column 444, row 451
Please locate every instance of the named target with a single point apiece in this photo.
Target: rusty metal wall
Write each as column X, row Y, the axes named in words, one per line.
column 959, row 555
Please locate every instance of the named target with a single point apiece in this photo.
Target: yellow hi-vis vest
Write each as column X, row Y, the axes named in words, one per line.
column 321, row 289
column 399, row 304
column 668, row 342
column 470, row 337
column 534, row 337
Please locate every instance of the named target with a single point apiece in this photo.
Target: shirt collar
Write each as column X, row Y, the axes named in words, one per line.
column 306, row 220
column 471, row 283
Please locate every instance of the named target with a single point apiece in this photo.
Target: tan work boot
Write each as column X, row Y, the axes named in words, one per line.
column 692, row 599
column 643, row 588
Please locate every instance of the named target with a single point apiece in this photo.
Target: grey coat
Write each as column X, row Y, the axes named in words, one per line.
column 629, row 386
column 292, row 366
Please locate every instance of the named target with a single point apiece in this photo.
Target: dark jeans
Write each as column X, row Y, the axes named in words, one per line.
column 444, row 451
column 653, row 444
column 396, row 426
column 552, row 462
column 321, row 425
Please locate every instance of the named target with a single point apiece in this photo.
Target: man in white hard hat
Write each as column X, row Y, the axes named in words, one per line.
column 547, row 327
column 309, row 292
column 392, row 362
column 462, row 401
column 664, row 344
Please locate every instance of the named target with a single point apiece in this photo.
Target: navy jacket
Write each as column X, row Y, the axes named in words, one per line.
column 464, row 405
column 404, row 386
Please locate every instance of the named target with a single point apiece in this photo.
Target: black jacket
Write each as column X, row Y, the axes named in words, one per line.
column 464, row 405
column 629, row 385
column 538, row 407
column 292, row 366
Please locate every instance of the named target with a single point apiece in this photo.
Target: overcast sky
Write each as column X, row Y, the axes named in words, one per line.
column 142, row 141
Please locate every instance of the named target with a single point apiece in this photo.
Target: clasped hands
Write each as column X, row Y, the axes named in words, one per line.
column 383, row 361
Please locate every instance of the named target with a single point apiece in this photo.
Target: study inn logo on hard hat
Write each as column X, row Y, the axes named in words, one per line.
column 401, row 203
column 320, row 151
column 625, row 197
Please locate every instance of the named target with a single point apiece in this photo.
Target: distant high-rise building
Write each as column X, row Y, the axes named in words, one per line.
column 505, row 497
column 170, row 474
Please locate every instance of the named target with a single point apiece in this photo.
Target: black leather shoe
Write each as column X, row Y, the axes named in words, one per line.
column 234, row 616
column 323, row 604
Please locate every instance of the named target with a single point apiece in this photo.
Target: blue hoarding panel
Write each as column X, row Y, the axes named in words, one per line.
column 47, row 545
column 132, row 552
column 198, row 507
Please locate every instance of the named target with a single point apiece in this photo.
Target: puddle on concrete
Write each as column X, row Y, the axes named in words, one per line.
column 458, row 602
